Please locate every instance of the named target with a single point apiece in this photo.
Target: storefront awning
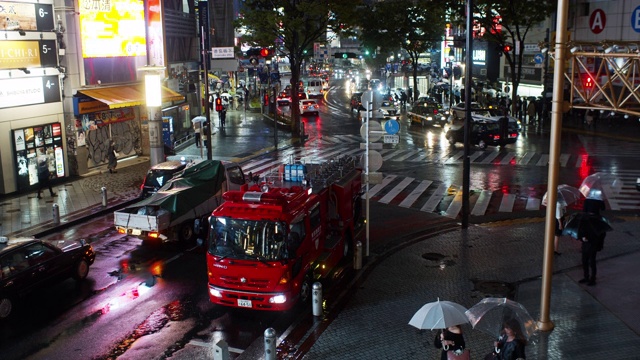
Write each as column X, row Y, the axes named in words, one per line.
column 126, row 95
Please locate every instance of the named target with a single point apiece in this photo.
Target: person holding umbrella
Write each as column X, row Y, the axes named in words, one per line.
column 450, row 339
column 511, row 344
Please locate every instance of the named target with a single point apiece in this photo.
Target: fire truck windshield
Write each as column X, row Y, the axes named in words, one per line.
column 247, row 239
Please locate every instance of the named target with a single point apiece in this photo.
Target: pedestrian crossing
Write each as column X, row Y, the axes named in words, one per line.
column 455, row 156
column 445, row 198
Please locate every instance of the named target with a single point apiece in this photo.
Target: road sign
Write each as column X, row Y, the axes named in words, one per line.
column 375, row 131
column 375, row 160
column 538, row 58
column 391, row 127
column 391, row 139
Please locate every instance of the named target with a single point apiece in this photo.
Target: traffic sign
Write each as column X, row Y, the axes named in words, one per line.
column 391, row 139
column 538, row 58
column 392, row 126
column 375, row 131
column 375, row 160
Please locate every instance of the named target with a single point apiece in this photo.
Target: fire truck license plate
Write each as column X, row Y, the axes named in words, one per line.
column 244, row 303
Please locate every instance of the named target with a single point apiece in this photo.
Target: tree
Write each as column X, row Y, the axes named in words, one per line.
column 507, row 23
column 416, row 26
column 297, row 25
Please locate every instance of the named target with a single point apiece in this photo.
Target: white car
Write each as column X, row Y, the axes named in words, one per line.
column 388, row 110
column 309, row 106
column 477, row 111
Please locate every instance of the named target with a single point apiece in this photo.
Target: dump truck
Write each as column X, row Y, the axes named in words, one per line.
column 169, row 215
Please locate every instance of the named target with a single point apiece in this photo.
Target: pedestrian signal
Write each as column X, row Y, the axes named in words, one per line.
column 587, row 82
column 264, row 52
column 219, row 104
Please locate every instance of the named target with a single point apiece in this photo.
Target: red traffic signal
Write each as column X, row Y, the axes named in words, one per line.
column 587, row 82
column 264, row 52
column 507, row 48
column 218, row 104
column 266, row 100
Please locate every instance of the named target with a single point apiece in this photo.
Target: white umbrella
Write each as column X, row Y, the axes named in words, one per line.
column 439, row 315
column 199, row 119
column 600, row 185
column 567, row 195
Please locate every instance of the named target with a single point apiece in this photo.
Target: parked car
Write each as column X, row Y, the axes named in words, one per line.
column 284, row 98
column 356, row 101
column 483, row 133
column 28, row 264
column 428, row 113
column 158, row 175
column 309, row 106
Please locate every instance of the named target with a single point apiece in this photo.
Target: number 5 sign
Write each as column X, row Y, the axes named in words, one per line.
column 635, row 19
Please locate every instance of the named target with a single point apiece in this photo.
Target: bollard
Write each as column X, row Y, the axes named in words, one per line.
column 221, row 350
column 270, row 344
column 357, row 256
column 104, row 196
column 316, row 299
column 56, row 214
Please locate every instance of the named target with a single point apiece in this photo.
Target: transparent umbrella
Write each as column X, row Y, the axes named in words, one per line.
column 439, row 315
column 600, row 186
column 490, row 314
column 567, row 195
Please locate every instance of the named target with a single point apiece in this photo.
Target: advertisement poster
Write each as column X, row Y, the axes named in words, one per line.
column 35, row 144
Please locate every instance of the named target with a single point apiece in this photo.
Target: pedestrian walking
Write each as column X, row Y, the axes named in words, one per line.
column 590, row 248
column 531, row 111
column 44, row 178
column 112, row 156
column 511, row 344
column 223, row 116
column 206, row 132
column 197, row 127
column 450, row 340
column 561, row 211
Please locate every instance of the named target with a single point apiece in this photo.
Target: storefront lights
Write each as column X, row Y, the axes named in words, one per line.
column 153, row 89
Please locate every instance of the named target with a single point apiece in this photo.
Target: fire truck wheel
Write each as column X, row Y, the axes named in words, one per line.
column 305, row 290
column 186, row 233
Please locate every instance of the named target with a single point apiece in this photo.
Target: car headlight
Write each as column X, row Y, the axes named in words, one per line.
column 215, row 293
column 278, row 299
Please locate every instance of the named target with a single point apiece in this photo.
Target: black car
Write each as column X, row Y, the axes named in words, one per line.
column 428, row 113
column 483, row 134
column 29, row 264
column 158, row 175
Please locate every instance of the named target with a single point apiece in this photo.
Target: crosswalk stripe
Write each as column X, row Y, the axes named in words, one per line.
column 526, row 158
column 533, row 204
column 396, row 190
column 544, row 160
column 506, row 204
column 483, row 202
column 490, row 157
column 507, row 159
column 454, row 208
column 406, row 156
column 564, row 159
column 474, row 156
column 435, row 198
column 378, row 187
column 390, row 155
column 415, row 194
column 455, row 157
column 579, row 162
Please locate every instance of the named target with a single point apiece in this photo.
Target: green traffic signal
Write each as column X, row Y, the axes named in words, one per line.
column 344, row 55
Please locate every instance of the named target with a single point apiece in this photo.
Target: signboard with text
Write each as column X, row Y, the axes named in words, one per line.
column 29, row 91
column 27, row 54
column 16, row 16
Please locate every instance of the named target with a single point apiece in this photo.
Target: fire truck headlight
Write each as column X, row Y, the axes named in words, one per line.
column 278, row 299
column 215, row 292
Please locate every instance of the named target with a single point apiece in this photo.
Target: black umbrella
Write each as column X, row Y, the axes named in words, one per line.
column 586, row 225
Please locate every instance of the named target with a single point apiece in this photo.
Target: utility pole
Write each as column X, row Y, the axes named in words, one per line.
column 205, row 59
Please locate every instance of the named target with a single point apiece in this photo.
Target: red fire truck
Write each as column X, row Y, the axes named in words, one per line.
column 268, row 242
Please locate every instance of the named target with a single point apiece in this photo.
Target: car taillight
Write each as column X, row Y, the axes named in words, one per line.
column 435, row 111
column 496, row 137
column 153, row 235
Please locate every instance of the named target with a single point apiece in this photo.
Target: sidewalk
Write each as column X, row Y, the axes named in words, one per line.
column 493, row 259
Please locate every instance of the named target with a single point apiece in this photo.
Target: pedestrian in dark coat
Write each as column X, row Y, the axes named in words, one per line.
column 112, row 156
column 44, row 178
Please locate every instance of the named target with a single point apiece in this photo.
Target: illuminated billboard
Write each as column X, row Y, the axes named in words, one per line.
column 112, row 28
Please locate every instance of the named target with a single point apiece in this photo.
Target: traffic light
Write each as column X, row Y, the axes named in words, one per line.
column 218, row 104
column 507, row 48
column 587, row 82
column 266, row 99
column 264, row 52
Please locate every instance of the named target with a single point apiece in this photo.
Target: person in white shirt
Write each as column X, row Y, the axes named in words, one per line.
column 561, row 210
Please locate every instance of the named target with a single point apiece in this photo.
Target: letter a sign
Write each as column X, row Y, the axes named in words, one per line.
column 597, row 21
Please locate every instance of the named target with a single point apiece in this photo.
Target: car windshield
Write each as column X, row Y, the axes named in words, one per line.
column 247, row 239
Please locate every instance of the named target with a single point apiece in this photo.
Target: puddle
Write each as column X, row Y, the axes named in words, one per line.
column 438, row 260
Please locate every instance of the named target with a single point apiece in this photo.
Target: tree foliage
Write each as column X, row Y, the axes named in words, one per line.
column 296, row 25
column 417, row 26
column 508, row 22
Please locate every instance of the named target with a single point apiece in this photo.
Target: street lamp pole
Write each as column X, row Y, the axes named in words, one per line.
column 153, row 91
column 206, row 129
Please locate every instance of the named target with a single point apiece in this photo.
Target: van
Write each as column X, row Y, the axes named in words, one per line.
column 314, row 87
